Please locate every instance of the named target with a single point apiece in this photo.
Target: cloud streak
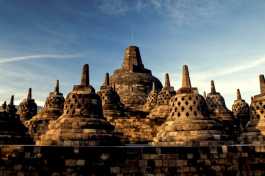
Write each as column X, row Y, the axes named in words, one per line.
column 231, row 69
column 180, row 12
column 113, row 7
column 37, row 57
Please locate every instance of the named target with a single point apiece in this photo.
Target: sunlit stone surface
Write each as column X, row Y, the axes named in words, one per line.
column 188, row 122
column 82, row 122
column 27, row 108
column 53, row 108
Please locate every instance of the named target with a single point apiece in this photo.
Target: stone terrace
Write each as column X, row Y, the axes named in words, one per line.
column 216, row 160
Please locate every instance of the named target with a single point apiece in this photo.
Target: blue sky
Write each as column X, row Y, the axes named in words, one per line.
column 41, row 41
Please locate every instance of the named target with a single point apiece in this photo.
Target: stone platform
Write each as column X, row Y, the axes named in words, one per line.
column 131, row 160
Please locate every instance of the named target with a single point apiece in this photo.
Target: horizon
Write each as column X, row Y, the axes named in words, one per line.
column 45, row 41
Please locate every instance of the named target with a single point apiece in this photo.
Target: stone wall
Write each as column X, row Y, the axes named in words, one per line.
column 132, row 160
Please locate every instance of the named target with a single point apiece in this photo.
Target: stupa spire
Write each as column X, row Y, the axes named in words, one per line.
column 85, row 75
column 186, row 77
column 204, row 94
column 4, row 105
column 29, row 94
column 132, row 58
column 57, row 87
column 212, row 87
column 114, row 87
column 153, row 86
column 167, row 81
column 238, row 94
column 107, row 82
column 262, row 84
column 11, row 100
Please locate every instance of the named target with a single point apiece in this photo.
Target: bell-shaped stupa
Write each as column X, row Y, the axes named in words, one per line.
column 133, row 81
column 162, row 108
column 82, row 122
column 12, row 131
column 188, row 122
column 112, row 106
column 52, row 109
column 217, row 107
column 255, row 129
column 151, row 99
column 27, row 108
column 240, row 110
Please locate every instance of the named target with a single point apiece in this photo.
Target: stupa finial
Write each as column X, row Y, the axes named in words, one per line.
column 132, row 58
column 57, row 87
column 167, row 81
column 204, row 94
column 212, row 87
column 11, row 100
column 262, row 84
column 29, row 94
column 4, row 106
column 107, row 82
column 114, row 87
column 85, row 75
column 238, row 94
column 153, row 86
column 186, row 77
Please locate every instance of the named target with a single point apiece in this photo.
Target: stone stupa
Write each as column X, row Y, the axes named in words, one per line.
column 52, row 109
column 240, row 109
column 162, row 108
column 82, row 122
column 27, row 108
column 112, row 106
column 133, row 81
column 255, row 129
column 217, row 108
column 188, row 122
column 12, row 131
column 151, row 99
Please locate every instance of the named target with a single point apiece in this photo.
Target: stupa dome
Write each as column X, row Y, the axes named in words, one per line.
column 82, row 122
column 188, row 122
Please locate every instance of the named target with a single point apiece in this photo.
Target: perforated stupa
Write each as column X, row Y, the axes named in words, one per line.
column 82, row 122
column 188, row 122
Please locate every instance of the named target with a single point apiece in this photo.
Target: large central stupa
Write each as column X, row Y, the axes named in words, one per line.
column 133, row 81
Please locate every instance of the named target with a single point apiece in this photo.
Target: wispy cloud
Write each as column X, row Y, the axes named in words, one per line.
column 178, row 11
column 225, row 71
column 113, row 7
column 39, row 56
column 243, row 75
column 183, row 12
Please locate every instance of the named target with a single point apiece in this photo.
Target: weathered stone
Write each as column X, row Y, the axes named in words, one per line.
column 133, row 82
column 218, row 110
column 255, row 129
column 112, row 106
column 134, row 130
column 188, row 122
column 162, row 108
column 136, row 160
column 53, row 108
column 82, row 122
column 27, row 108
column 241, row 110
column 12, row 131
column 151, row 99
